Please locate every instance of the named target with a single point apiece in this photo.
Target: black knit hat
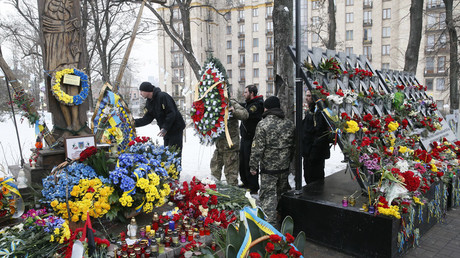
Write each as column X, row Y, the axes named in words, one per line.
column 146, row 86
column 272, row 102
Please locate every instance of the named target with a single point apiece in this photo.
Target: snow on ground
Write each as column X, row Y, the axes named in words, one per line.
column 195, row 157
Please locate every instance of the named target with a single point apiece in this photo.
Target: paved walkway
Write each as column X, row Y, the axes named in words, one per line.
column 442, row 240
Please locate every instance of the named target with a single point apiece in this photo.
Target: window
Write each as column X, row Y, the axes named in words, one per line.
column 315, row 38
column 269, row 11
column 255, row 27
column 349, row 2
column 255, row 12
column 270, row 57
column 241, row 44
column 385, row 50
column 315, row 4
column 270, row 42
column 242, row 59
column 368, row 34
column 368, row 52
column 270, row 26
column 442, row 41
column 242, row 74
column 349, row 17
column 228, row 16
column 176, row 14
column 255, row 73
column 255, row 42
column 386, row 14
column 255, row 57
column 229, row 44
column 386, row 32
column 440, row 84
column 241, row 14
column 241, row 28
column 441, row 64
column 368, row 3
column 269, row 88
column 270, row 73
column 229, row 59
column 431, row 21
column 442, row 20
column 385, row 66
column 430, row 42
column 429, row 84
column 229, row 73
column 429, row 62
column 349, row 51
column 349, row 35
column 315, row 20
column 367, row 17
column 229, row 30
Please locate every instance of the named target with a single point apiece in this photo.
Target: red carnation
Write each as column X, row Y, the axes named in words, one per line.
column 289, row 238
column 254, row 255
column 269, row 247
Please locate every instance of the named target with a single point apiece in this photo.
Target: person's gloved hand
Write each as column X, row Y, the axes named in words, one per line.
column 162, row 133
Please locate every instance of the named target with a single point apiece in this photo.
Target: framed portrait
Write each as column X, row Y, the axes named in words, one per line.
column 74, row 145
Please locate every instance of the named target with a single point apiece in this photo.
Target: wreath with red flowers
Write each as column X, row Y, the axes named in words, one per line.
column 209, row 110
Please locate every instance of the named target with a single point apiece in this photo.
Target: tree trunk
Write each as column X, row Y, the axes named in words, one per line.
column 284, row 66
column 453, row 48
column 332, row 25
column 415, row 36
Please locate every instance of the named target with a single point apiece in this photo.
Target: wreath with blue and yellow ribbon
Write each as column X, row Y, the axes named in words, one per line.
column 65, row 98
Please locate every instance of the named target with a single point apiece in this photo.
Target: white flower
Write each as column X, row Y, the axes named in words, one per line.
column 403, row 165
column 336, row 99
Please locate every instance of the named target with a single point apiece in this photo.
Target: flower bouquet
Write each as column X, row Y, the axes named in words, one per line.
column 165, row 156
column 39, row 235
column 209, row 110
column 141, row 183
column 76, row 190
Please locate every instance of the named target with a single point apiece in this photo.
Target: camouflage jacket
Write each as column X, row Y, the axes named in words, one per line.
column 273, row 145
column 239, row 113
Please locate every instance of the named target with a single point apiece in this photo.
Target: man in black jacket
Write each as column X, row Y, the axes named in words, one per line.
column 255, row 107
column 315, row 142
column 161, row 106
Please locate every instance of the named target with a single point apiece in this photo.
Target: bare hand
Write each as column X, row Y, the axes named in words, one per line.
column 162, row 133
column 253, row 172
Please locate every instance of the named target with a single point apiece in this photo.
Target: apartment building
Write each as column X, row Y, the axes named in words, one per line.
column 242, row 39
column 380, row 31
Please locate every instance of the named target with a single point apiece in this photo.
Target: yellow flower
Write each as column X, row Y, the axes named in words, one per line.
column 75, row 218
column 403, row 149
column 393, row 126
column 352, row 127
column 51, row 238
column 54, row 203
column 417, row 200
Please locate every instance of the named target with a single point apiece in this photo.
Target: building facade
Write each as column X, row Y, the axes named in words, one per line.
column 240, row 35
column 380, row 31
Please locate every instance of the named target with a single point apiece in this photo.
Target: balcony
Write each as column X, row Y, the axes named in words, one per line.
column 432, row 6
column 367, row 4
column 241, row 49
column 269, row 47
column 241, row 64
column 367, row 41
column 270, row 62
column 240, row 35
column 242, row 79
column 270, row 79
column 367, row 23
column 269, row 32
column 240, row 20
column 268, row 17
column 175, row 49
column 177, row 64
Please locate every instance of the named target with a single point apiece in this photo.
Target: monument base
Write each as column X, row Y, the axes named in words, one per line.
column 318, row 211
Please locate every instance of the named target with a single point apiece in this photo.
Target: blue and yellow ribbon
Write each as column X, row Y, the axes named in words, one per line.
column 8, row 183
column 250, row 214
column 14, row 243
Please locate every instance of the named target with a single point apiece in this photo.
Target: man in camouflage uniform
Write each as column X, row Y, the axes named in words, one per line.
column 272, row 151
column 225, row 156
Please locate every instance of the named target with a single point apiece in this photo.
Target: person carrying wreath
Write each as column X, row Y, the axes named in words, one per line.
column 227, row 156
column 272, row 152
column 162, row 107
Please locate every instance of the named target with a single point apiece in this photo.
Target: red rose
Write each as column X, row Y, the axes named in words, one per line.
column 294, row 253
column 289, row 238
column 275, row 238
column 255, row 255
column 269, row 247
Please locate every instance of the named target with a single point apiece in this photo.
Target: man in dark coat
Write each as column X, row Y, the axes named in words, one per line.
column 315, row 142
column 255, row 106
column 161, row 106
